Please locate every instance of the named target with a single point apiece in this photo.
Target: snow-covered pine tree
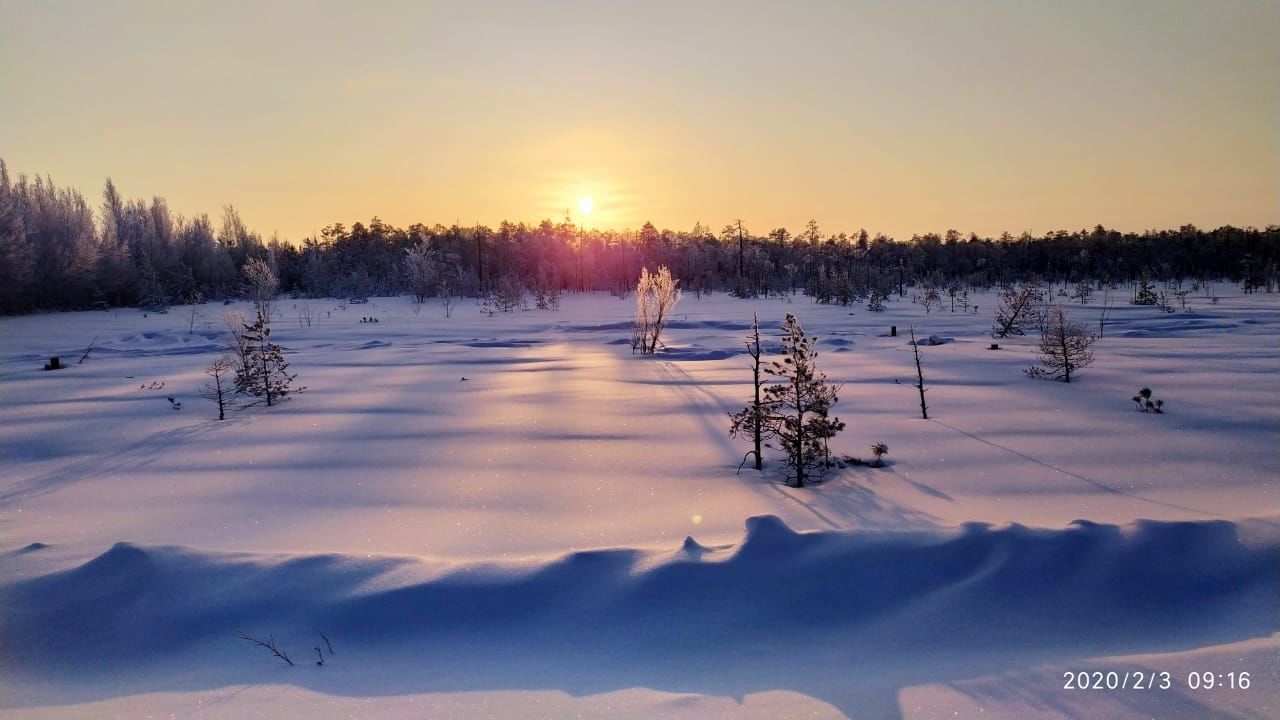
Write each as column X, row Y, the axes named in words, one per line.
column 875, row 299
column 799, row 406
column 1144, row 293
column 261, row 284
column 262, row 371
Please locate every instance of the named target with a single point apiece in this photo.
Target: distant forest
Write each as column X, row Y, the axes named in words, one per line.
column 57, row 253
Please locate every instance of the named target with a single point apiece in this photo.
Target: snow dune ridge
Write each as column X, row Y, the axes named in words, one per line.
column 859, row 594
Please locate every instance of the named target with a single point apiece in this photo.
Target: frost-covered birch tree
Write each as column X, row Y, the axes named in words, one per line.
column 656, row 297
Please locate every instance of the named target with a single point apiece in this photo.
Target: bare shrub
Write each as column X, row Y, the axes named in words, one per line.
column 656, row 297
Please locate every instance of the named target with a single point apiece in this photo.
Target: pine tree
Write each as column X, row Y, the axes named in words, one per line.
column 1145, row 292
column 875, row 302
column 1016, row 309
column 1065, row 347
column 799, row 406
column 262, row 371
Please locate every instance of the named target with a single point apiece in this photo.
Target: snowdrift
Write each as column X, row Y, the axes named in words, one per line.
column 781, row 610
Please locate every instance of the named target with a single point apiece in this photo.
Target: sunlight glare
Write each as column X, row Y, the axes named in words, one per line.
column 586, row 205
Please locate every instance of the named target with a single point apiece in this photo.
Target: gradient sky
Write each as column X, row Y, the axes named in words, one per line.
column 900, row 117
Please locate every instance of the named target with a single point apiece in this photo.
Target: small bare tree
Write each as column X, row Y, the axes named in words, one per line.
column 448, row 298
column 193, row 311
column 1082, row 292
column 751, row 420
column 929, row 299
column 915, row 348
column 1065, row 347
column 261, row 284
column 217, row 389
column 656, row 298
column 235, row 339
column 1104, row 316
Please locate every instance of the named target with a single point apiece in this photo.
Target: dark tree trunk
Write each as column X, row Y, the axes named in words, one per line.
column 754, row 350
column 797, row 448
column 915, row 348
column 742, row 249
column 266, row 373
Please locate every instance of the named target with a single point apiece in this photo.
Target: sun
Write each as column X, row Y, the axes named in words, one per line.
column 586, row 204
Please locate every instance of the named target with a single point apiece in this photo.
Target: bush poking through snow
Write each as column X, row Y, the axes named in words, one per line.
column 879, row 450
column 1065, row 347
column 1146, row 403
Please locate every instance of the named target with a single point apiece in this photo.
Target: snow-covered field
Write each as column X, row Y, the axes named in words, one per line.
column 513, row 516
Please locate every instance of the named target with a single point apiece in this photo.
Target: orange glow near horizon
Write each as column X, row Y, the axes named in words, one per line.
column 899, row 118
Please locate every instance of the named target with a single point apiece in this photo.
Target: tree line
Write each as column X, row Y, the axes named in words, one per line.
column 58, row 251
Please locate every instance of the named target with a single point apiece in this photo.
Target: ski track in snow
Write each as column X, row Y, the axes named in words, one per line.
column 1100, row 485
